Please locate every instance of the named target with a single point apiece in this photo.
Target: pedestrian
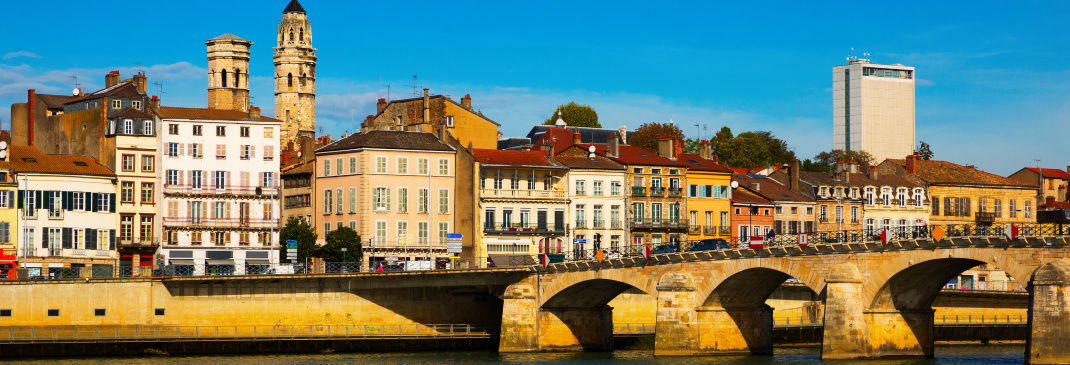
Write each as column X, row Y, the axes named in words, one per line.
column 379, row 267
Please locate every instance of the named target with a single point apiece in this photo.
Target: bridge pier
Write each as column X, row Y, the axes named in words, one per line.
column 519, row 331
column 736, row 330
column 1049, row 315
column 676, row 329
column 899, row 333
column 845, row 334
column 576, row 329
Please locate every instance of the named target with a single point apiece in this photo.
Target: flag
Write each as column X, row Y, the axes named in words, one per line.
column 544, row 260
column 646, row 251
column 1012, row 231
column 884, row 236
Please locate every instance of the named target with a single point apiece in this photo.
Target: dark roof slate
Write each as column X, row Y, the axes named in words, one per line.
column 391, row 140
column 294, row 7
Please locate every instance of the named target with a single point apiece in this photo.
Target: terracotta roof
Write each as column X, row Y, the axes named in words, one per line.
column 131, row 112
column 300, row 167
column 120, row 90
column 420, row 99
column 391, row 140
column 631, row 155
column 943, row 172
column 172, row 112
column 294, row 7
column 826, row 179
column 598, row 162
column 740, row 170
column 1054, row 205
column 229, row 37
column 769, row 188
column 701, row 164
column 54, row 101
column 1056, row 173
column 31, row 159
column 745, row 197
column 560, row 138
column 514, row 158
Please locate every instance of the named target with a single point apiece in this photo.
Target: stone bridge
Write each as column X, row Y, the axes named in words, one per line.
column 878, row 298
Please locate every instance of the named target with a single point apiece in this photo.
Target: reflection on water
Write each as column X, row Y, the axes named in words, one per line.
column 945, row 355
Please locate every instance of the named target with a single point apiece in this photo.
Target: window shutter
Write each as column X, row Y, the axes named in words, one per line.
column 204, row 209
column 968, row 206
column 189, row 209
column 181, row 149
column 37, row 202
column 67, row 241
column 936, row 205
column 22, row 198
column 228, row 179
column 387, row 191
column 44, row 240
column 182, row 177
column 947, row 206
column 111, row 203
column 91, row 239
column 111, row 238
column 67, row 205
column 260, row 180
column 96, row 202
column 252, row 151
column 226, row 210
column 48, row 200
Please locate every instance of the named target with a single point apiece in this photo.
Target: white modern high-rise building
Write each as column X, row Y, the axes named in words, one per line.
column 873, row 108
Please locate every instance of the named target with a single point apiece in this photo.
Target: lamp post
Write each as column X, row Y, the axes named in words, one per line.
column 344, row 249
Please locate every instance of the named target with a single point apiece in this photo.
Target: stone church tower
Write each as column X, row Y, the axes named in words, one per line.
column 295, row 73
column 228, row 73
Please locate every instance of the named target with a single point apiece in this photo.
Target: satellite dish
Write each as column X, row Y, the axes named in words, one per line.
column 77, row 91
column 735, row 184
column 3, row 145
column 298, row 153
column 591, row 148
column 3, row 154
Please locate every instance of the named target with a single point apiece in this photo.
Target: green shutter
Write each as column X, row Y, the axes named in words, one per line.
column 111, row 203
column 67, row 205
column 37, row 202
column 67, row 238
column 22, row 198
column 111, row 237
column 44, row 236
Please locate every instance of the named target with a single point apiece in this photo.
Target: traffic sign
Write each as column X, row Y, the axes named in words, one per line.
column 453, row 243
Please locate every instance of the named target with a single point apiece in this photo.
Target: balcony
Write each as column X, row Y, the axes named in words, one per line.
column 615, row 224
column 676, row 192
column 143, row 242
column 694, row 229
column 581, row 224
column 598, row 224
column 713, row 230
column 218, row 190
column 522, row 194
column 657, row 191
column 985, row 217
column 220, row 222
column 638, row 191
column 673, row 224
column 523, row 228
column 725, row 230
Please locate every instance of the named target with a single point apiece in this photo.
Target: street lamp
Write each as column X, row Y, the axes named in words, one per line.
column 344, row 249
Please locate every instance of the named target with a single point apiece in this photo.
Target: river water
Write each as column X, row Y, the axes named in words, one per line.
column 945, row 355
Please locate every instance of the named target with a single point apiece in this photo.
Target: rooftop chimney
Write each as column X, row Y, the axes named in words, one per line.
column 380, row 106
column 111, row 79
column 912, row 167
column 155, row 102
column 466, row 102
column 715, row 159
column 1049, row 202
column 873, row 173
column 677, row 149
column 427, row 106
column 612, row 146
column 793, row 174
column 705, row 150
column 576, row 138
column 852, row 166
column 548, row 148
column 665, row 147
column 254, row 112
column 140, row 82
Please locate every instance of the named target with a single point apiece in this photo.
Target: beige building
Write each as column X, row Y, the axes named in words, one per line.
column 136, row 161
column 228, row 73
column 295, row 73
column 395, row 188
column 1053, row 182
column 432, row 113
column 597, row 201
column 873, row 108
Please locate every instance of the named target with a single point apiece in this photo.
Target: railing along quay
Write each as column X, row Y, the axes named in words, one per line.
column 72, row 334
column 792, row 322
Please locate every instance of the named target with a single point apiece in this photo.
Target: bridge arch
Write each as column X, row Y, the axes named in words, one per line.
column 741, row 278
column 591, row 288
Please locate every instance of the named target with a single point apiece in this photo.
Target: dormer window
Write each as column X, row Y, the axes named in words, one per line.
column 80, row 163
column 128, row 126
column 29, row 159
column 136, row 104
column 148, row 131
column 824, row 192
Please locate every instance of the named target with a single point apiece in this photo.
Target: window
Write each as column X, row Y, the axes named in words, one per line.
column 220, row 151
column 196, row 178
column 327, row 201
column 339, row 200
column 886, row 197
column 5, row 232
column 78, row 198
column 195, row 150
column 105, row 202
column 147, row 193
column 824, row 191
column 637, row 170
column 597, row 188
column 146, row 229
column 326, row 228
column 443, row 201
column 326, row 167
column 269, row 132
column 422, row 166
column 53, row 312
column 172, row 129
column 352, row 200
column 128, row 162
column 147, row 129
column 196, row 130
column 381, row 199
column 443, row 166
column 449, row 120
column 380, row 164
column 614, row 188
column 869, row 196
column 403, row 232
column 839, row 213
column 421, row 201
column 443, row 231
column 352, row 165
column 1028, row 209
column 823, row 215
column 148, row 163
column 127, row 192
column 5, row 203
column 126, row 227
column 403, row 165
column 997, row 207
column 1013, row 207
column 422, row 233
column 380, row 231
column 854, row 214
column 116, row 104
column 547, row 182
column 219, row 210
column 403, row 200
column 221, row 131
column 269, row 154
column 172, row 149
column 902, row 197
column 580, row 188
column 269, row 179
column 655, row 171
column 244, row 131
column 498, row 179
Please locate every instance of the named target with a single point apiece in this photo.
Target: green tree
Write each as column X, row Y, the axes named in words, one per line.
column 750, row 149
column 575, row 115
column 648, row 135
column 809, row 165
column 925, row 151
column 298, row 230
column 336, row 240
column 826, row 161
column 691, row 145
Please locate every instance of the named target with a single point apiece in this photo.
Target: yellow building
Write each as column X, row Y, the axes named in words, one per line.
column 964, row 195
column 708, row 196
column 9, row 218
column 431, row 112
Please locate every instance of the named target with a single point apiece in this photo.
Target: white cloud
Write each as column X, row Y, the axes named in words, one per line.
column 10, row 55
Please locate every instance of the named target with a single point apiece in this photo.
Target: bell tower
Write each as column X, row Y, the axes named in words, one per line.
column 228, row 72
column 295, row 73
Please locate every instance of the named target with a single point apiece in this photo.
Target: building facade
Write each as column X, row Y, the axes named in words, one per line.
column 1052, row 182
column 709, row 196
column 655, row 185
column 430, row 114
column 228, row 73
column 793, row 213
column 67, row 214
column 894, row 204
column 396, row 189
column 597, row 201
column 136, row 159
column 298, row 187
column 295, row 73
column 838, row 199
column 752, row 216
column 219, row 176
column 873, row 108
column 524, row 201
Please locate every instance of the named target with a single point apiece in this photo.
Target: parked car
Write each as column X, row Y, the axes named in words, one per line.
column 611, row 254
column 281, row 269
column 665, row 249
column 710, row 244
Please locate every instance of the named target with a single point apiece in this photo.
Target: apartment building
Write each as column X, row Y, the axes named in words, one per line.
column 709, row 195
column 597, row 200
column 219, row 174
column 136, row 159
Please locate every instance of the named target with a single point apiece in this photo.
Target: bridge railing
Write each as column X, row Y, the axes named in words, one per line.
column 963, row 319
column 31, row 334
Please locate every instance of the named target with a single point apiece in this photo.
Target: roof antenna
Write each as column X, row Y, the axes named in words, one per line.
column 414, row 86
column 137, row 66
column 76, row 84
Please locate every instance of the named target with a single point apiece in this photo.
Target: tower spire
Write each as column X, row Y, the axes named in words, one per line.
column 295, row 73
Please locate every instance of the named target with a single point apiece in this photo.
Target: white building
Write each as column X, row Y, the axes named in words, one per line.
column 873, row 108
column 220, row 189
column 597, row 200
column 67, row 213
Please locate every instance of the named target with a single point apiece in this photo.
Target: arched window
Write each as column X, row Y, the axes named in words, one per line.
column 291, row 35
column 223, row 76
column 301, row 35
column 237, row 77
column 303, row 80
column 290, row 80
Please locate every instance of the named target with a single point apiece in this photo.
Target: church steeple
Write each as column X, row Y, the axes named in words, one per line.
column 295, row 73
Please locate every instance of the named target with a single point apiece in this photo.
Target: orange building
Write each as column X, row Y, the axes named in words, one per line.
column 751, row 215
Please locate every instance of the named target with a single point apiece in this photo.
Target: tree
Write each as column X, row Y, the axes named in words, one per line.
column 298, row 230
column 826, row 161
column 691, row 145
column 648, row 135
column 336, row 240
column 809, row 165
column 925, row 151
column 750, row 149
column 575, row 115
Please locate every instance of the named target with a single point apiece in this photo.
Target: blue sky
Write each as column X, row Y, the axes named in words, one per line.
column 993, row 78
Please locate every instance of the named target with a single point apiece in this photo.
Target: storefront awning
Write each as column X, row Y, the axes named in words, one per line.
column 180, row 262
column 219, row 262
